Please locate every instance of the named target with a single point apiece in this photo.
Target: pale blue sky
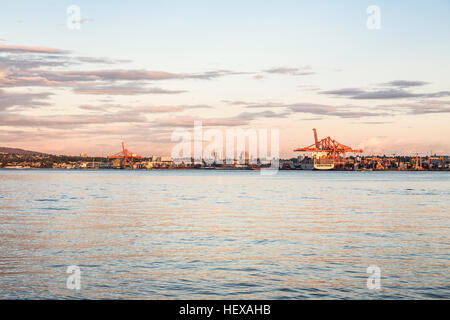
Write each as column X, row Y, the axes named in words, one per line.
column 238, row 32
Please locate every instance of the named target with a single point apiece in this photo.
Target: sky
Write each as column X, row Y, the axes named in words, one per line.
column 135, row 71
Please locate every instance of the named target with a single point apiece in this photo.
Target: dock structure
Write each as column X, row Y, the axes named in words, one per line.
column 328, row 153
column 126, row 157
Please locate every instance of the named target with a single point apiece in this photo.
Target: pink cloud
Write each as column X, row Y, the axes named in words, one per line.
column 124, row 90
column 27, row 49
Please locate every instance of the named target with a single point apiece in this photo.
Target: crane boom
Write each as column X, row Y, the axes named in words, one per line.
column 328, row 150
column 316, row 140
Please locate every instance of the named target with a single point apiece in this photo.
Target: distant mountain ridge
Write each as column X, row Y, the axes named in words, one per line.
column 19, row 151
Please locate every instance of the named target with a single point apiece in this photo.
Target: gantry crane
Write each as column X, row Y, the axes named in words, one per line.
column 327, row 152
column 416, row 163
column 126, row 155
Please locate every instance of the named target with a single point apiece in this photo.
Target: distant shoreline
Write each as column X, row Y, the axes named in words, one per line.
column 222, row 169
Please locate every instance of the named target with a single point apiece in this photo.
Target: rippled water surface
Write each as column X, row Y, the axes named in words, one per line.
column 224, row 234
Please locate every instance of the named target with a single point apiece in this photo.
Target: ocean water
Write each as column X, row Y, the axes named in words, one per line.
column 206, row 234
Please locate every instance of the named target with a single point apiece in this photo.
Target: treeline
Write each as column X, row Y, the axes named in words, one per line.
column 47, row 161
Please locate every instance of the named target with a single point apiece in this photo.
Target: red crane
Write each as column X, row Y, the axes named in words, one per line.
column 126, row 155
column 330, row 148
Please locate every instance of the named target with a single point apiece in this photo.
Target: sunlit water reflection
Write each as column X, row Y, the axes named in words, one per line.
column 224, row 234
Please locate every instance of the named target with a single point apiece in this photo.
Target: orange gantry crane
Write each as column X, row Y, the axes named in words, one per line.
column 416, row 163
column 126, row 155
column 328, row 151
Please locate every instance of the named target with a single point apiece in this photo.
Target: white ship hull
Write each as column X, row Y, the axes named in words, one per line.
column 323, row 166
column 322, row 162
